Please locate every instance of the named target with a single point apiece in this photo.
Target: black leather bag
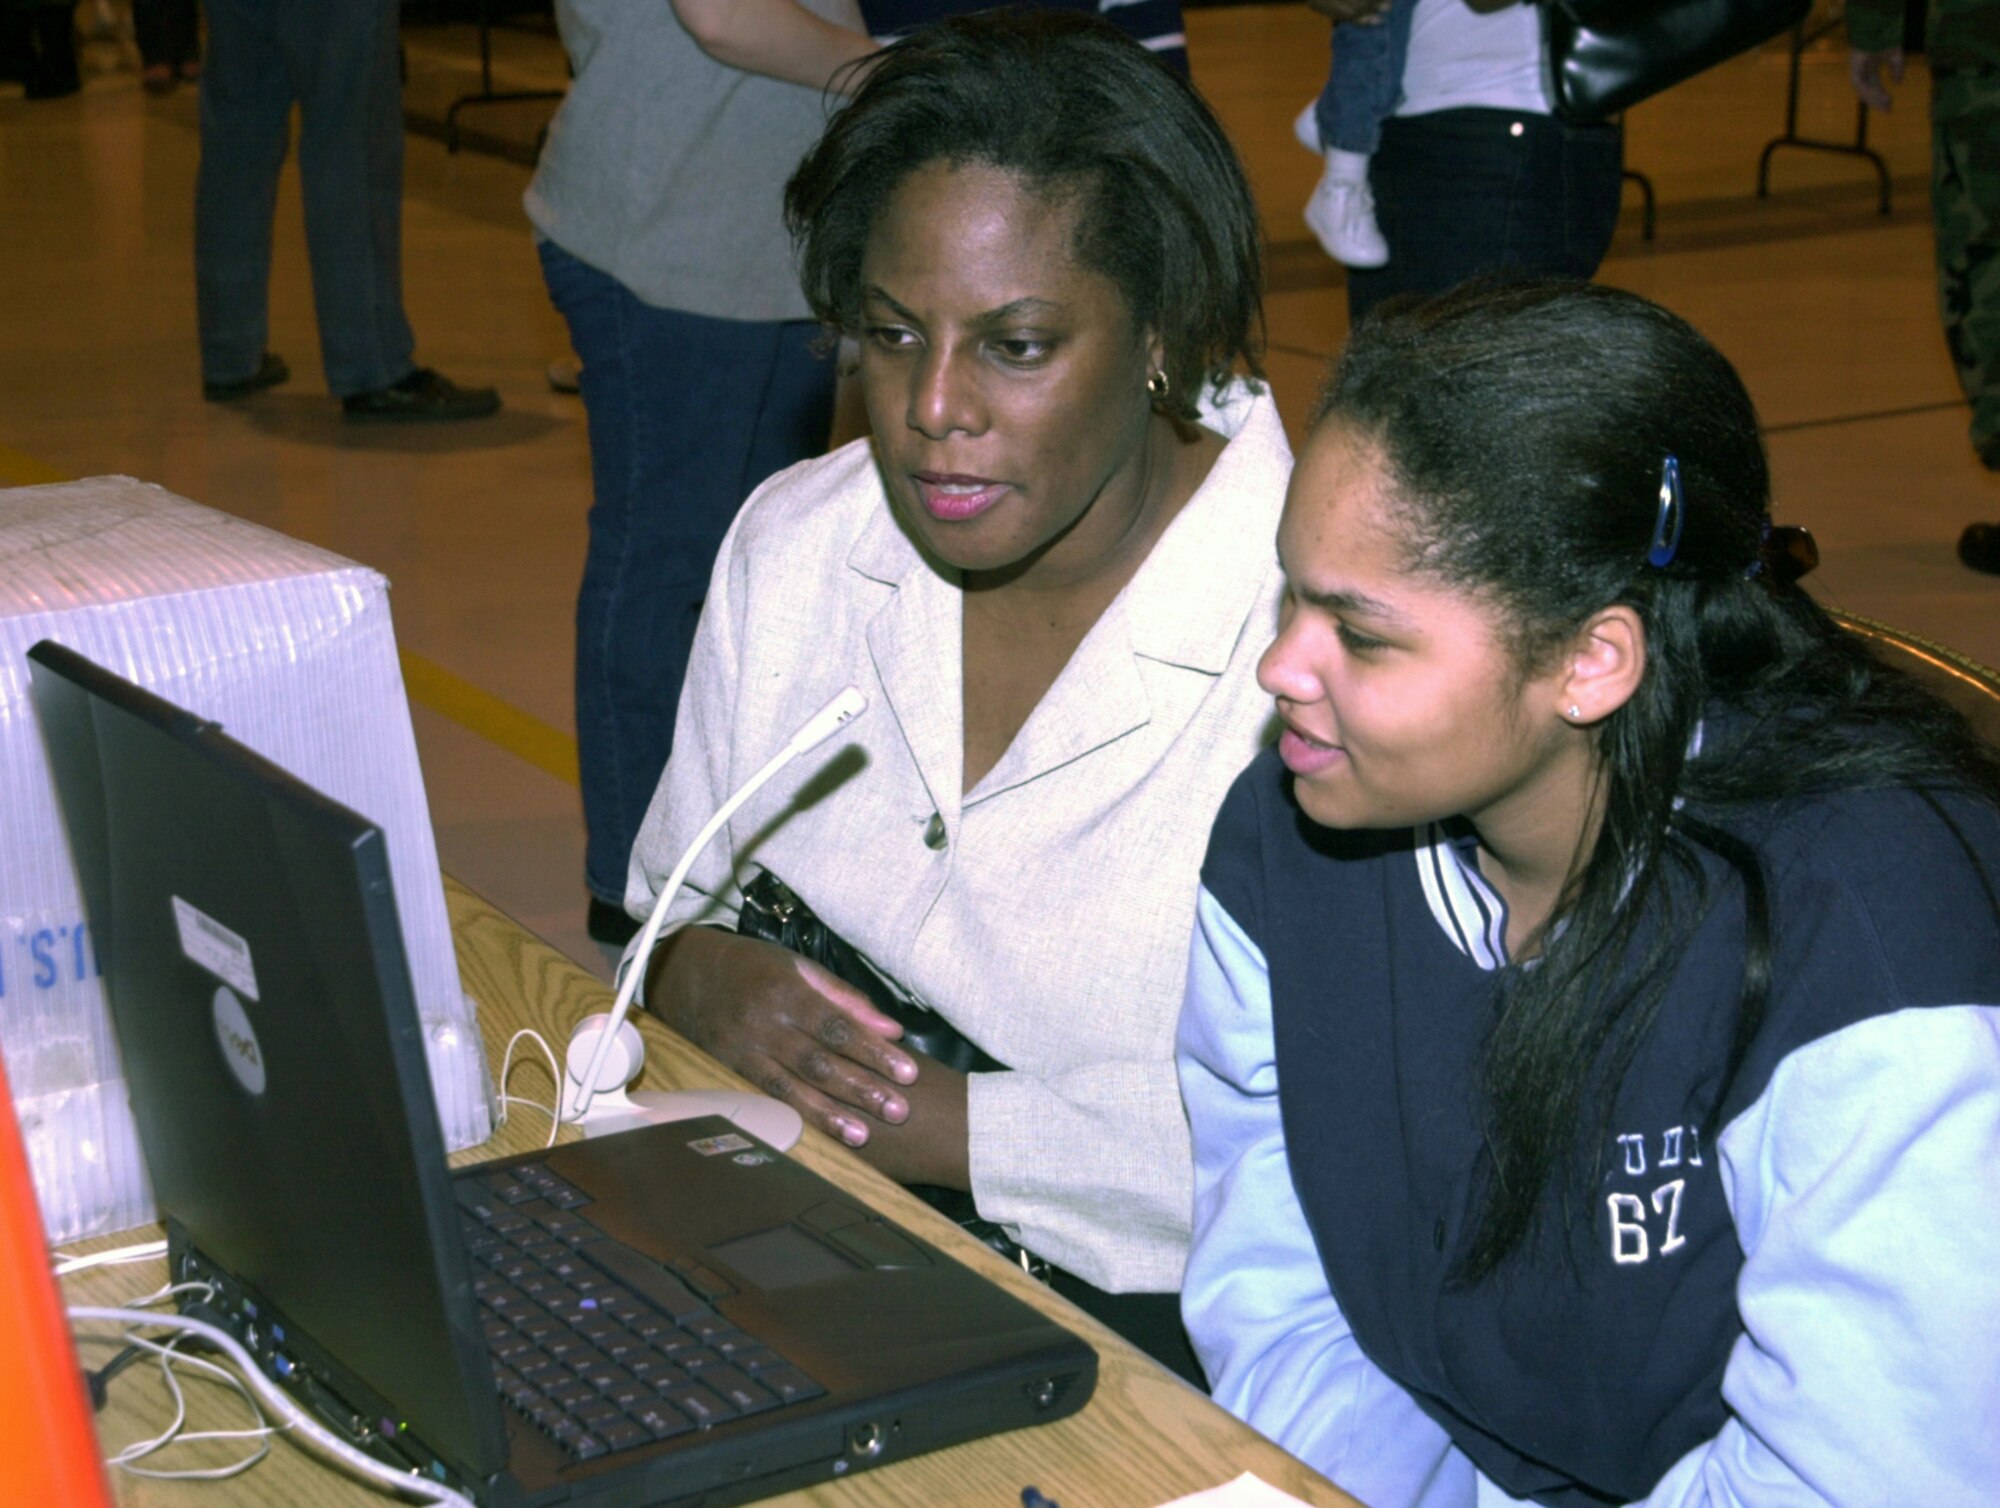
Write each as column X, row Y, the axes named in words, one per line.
column 1603, row 56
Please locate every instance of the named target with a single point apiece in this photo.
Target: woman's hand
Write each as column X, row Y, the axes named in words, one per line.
column 932, row 1144
column 792, row 1029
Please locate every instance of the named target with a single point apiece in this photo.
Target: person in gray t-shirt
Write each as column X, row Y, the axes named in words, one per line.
column 656, row 208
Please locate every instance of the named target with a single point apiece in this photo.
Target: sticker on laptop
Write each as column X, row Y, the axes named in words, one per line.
column 212, row 946
column 715, row 1146
column 238, row 1040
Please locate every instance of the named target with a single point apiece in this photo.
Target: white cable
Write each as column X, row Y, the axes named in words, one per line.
column 146, row 1447
column 359, row 1462
column 506, row 1067
column 822, row 725
column 127, row 1458
column 161, row 1295
column 67, row 1265
column 173, row 1434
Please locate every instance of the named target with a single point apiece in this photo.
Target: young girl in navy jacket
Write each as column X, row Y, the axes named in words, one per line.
column 1592, row 1040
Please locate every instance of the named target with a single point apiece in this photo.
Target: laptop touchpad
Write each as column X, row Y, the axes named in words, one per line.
column 784, row 1257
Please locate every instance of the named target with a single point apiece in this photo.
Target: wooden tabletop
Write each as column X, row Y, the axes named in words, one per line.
column 1144, row 1438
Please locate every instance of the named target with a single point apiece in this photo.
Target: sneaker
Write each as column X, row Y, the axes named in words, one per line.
column 1341, row 214
column 1305, row 128
column 423, row 395
column 270, row 372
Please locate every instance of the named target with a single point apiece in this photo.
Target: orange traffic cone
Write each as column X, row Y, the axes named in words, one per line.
column 47, row 1438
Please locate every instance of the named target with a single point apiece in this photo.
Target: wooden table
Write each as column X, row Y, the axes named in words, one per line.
column 1144, row 1439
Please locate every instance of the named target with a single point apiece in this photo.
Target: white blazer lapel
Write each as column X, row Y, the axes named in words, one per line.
column 1099, row 698
column 915, row 642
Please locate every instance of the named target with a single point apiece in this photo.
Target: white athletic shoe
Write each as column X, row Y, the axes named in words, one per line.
column 1341, row 214
column 1306, row 127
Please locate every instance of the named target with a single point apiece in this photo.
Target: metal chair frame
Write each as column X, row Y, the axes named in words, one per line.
column 1968, row 685
column 486, row 95
column 1801, row 39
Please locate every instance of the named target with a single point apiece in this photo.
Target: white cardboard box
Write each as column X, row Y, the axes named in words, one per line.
column 291, row 649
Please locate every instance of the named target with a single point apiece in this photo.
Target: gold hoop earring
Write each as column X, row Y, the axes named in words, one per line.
column 1158, row 385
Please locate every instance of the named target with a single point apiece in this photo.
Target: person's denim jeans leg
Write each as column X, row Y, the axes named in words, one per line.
column 350, row 88
column 340, row 63
column 246, row 105
column 1463, row 193
column 687, row 414
column 1365, row 83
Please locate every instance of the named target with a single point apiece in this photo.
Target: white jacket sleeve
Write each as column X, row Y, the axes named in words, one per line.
column 1865, row 1188
column 1273, row 1340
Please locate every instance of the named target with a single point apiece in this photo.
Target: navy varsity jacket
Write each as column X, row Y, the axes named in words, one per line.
column 1803, row 1312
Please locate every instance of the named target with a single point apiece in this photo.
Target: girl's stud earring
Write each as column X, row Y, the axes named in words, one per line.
column 1575, row 713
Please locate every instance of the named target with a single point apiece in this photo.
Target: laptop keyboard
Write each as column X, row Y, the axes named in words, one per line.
column 598, row 1344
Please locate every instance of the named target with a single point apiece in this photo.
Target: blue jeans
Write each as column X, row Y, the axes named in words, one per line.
column 338, row 60
column 687, row 415
column 1365, row 83
column 1462, row 193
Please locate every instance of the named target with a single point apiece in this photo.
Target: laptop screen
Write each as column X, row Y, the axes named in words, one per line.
column 255, row 971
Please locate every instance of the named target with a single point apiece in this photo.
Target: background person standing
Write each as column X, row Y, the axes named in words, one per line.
column 657, row 211
column 169, row 36
column 1475, row 173
column 1964, row 47
column 38, row 46
column 337, row 60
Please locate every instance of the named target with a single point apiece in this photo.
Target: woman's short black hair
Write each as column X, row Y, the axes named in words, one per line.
column 1074, row 107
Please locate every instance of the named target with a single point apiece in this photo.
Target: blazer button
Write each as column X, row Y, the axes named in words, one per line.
column 934, row 834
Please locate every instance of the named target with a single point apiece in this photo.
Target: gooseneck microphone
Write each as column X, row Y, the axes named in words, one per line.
column 584, row 1087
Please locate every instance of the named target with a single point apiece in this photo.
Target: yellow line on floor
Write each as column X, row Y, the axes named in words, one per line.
column 18, row 470
column 429, row 684
column 480, row 712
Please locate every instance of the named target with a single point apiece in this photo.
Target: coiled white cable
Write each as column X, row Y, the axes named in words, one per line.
column 507, row 1101
column 297, row 1421
column 127, row 1459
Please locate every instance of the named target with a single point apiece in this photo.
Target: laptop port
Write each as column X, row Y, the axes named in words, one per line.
column 866, row 1441
column 346, row 1419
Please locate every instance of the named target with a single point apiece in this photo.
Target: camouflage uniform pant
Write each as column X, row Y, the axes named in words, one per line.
column 1965, row 204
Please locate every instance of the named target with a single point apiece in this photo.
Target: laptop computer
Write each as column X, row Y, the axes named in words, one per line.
column 673, row 1315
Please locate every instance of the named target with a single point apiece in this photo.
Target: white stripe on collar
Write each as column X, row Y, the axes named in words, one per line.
column 1467, row 910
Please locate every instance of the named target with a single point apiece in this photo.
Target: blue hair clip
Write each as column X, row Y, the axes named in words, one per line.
column 1667, row 527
